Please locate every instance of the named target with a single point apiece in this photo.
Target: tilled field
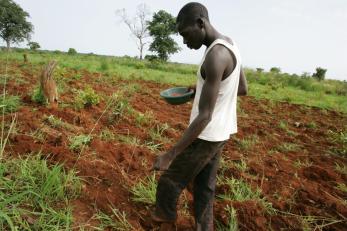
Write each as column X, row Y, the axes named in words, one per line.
column 283, row 150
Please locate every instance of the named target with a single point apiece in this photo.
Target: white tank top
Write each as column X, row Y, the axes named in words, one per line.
column 224, row 119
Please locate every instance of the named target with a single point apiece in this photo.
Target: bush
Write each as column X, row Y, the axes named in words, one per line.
column 72, row 51
column 86, row 98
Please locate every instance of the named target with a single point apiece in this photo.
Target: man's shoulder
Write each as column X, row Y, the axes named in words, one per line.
column 219, row 53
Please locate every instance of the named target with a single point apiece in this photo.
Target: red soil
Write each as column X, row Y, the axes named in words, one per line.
column 176, row 94
column 110, row 168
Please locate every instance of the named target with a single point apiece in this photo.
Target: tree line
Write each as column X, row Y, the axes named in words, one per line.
column 15, row 28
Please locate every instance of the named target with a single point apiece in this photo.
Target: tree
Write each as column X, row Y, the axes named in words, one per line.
column 161, row 27
column 14, row 27
column 276, row 70
column 259, row 70
column 137, row 25
column 34, row 45
column 320, row 73
column 71, row 51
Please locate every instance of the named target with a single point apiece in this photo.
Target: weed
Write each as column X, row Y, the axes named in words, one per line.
column 287, row 147
column 142, row 119
column 154, row 147
column 144, row 191
column 342, row 187
column 248, row 142
column 9, row 103
column 107, row 135
column 128, row 139
column 232, row 221
column 240, row 165
column 311, row 125
column 117, row 221
column 78, row 142
column 239, row 190
column 300, row 164
column 341, row 168
column 339, row 138
column 37, row 96
column 38, row 135
column 53, row 121
column 86, row 98
column 120, row 108
column 283, row 125
column 30, row 191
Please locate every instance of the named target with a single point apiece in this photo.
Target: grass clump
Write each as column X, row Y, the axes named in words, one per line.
column 341, row 168
column 232, row 221
column 142, row 119
column 78, row 142
column 120, row 107
column 342, row 187
column 145, row 190
column 287, row 147
column 86, row 98
column 30, row 191
column 9, row 103
column 54, row 122
column 340, row 139
column 248, row 142
column 37, row 96
column 116, row 221
column 239, row 190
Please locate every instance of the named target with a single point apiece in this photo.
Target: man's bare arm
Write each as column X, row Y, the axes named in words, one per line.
column 242, row 89
column 214, row 69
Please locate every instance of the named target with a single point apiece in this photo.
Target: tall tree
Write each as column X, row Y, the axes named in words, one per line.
column 319, row 74
column 14, row 26
column 137, row 25
column 162, row 26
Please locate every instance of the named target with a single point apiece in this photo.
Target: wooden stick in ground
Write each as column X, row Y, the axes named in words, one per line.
column 48, row 84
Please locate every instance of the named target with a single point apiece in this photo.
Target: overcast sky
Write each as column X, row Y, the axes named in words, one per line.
column 295, row 35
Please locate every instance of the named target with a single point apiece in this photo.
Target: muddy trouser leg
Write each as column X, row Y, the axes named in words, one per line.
column 204, row 191
column 183, row 169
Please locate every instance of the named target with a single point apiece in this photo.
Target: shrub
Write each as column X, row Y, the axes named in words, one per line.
column 72, row 51
column 86, row 98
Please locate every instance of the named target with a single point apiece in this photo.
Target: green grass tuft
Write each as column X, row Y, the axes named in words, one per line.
column 30, row 194
column 145, row 190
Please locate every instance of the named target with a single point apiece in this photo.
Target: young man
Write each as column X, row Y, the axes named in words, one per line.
column 195, row 157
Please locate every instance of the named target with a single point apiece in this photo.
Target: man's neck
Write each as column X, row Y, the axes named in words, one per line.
column 211, row 35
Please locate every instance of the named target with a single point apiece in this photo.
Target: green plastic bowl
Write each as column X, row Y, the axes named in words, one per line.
column 177, row 95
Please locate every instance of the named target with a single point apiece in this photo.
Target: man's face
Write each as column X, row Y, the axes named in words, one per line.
column 193, row 34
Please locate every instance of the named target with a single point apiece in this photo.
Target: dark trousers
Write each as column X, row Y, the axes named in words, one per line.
column 198, row 163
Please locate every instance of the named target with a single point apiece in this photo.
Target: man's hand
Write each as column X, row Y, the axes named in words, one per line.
column 162, row 162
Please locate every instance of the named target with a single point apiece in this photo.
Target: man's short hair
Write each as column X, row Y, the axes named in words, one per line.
column 191, row 12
